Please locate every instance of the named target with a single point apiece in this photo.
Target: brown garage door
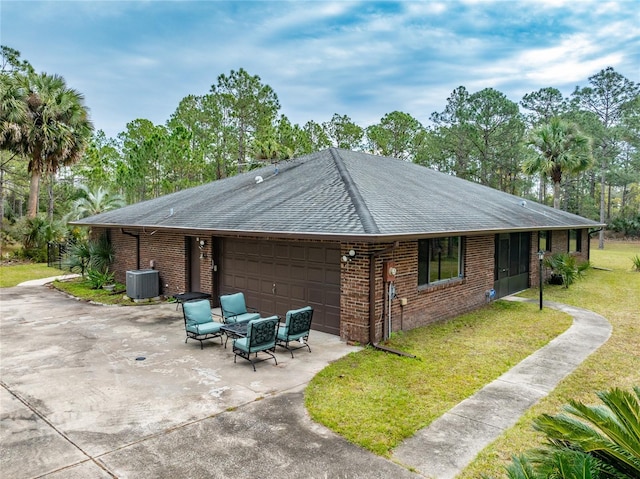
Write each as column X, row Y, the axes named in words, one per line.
column 278, row 276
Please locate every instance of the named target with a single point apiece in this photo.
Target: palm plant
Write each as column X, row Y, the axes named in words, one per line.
column 102, row 254
column 94, row 256
column 77, row 257
column 37, row 233
column 584, row 442
column 562, row 149
column 567, row 267
column 93, row 202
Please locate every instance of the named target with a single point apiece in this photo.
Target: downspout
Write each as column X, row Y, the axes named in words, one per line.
column 137, row 237
column 372, row 303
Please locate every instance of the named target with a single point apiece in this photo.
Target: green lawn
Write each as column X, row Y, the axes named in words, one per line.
column 16, row 274
column 376, row 399
column 613, row 294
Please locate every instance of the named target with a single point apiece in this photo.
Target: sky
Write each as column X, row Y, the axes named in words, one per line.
column 363, row 59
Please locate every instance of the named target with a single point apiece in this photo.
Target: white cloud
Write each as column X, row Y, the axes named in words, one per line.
column 363, row 59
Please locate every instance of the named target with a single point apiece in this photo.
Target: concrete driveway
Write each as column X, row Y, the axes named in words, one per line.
column 109, row 391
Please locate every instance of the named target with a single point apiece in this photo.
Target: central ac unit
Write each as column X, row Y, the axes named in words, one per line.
column 143, row 284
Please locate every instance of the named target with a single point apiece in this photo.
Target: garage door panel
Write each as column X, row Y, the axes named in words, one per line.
column 253, row 285
column 332, row 256
column 265, row 248
column 252, row 266
column 315, row 275
column 316, row 296
column 332, row 277
column 316, row 255
column 283, row 290
column 332, row 297
column 282, row 271
column 240, row 282
column 266, row 287
column 298, row 253
column 267, row 307
column 300, row 271
column 281, row 251
column 298, row 293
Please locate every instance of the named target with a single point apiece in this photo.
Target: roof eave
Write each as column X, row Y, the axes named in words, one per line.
column 341, row 237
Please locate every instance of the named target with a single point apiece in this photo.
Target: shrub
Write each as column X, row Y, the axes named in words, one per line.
column 636, row 262
column 566, row 266
column 626, row 226
column 97, row 279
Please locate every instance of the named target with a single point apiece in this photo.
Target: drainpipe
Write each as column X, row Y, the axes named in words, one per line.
column 372, row 302
column 137, row 237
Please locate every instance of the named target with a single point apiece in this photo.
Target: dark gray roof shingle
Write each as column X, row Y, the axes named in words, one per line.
column 341, row 193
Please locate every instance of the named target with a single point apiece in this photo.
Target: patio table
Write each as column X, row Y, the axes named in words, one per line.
column 235, row 330
column 184, row 297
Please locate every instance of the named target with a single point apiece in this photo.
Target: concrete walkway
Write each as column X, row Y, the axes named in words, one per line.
column 50, row 279
column 444, row 448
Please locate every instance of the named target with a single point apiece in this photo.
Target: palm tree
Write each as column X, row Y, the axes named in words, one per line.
column 46, row 122
column 94, row 202
column 562, row 149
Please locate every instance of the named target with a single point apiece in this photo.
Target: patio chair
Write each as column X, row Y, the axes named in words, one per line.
column 234, row 309
column 261, row 337
column 296, row 328
column 198, row 321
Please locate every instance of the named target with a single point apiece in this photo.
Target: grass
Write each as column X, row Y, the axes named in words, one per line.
column 613, row 294
column 12, row 275
column 80, row 288
column 377, row 400
column 15, row 274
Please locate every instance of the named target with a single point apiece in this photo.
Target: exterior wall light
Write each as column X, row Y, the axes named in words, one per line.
column 349, row 256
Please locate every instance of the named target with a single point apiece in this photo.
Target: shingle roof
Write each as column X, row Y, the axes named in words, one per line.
column 341, row 193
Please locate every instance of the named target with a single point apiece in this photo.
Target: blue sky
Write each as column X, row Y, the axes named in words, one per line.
column 138, row 59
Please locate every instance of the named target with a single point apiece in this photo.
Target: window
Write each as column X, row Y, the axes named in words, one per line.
column 544, row 240
column 575, row 241
column 439, row 259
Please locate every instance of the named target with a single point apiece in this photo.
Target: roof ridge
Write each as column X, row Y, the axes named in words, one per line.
column 366, row 218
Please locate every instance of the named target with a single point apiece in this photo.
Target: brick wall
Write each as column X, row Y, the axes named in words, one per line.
column 163, row 251
column 424, row 304
column 559, row 244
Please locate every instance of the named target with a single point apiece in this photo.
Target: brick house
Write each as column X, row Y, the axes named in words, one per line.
column 374, row 244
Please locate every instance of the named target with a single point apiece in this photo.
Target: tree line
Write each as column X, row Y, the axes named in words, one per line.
column 579, row 153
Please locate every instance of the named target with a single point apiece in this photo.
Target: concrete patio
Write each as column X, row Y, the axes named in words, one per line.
column 112, row 391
